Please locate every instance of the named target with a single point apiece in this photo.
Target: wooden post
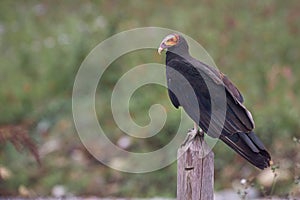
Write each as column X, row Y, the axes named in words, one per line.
column 195, row 171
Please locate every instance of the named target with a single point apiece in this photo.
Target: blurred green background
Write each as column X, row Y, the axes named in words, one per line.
column 42, row 44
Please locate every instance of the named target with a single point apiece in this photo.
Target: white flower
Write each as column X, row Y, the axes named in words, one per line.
column 243, row 181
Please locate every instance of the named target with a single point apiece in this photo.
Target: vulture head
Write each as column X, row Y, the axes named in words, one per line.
column 174, row 43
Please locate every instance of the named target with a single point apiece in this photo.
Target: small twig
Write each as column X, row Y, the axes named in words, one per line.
column 18, row 135
column 274, row 168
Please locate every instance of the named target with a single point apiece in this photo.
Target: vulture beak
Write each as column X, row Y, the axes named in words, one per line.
column 163, row 44
column 162, row 47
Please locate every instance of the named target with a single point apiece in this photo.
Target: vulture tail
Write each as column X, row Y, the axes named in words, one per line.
column 250, row 147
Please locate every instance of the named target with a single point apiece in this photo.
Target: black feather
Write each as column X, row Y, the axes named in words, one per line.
column 260, row 158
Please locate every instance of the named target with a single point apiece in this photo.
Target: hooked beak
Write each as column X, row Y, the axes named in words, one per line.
column 162, row 47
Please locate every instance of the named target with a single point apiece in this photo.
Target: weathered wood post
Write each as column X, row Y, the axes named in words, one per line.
column 195, row 171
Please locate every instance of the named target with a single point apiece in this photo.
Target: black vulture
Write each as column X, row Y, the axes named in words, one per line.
column 211, row 100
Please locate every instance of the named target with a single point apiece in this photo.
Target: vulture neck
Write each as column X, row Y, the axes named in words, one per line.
column 182, row 50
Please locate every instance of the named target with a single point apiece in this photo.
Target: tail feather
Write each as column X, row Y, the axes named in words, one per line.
column 249, row 147
column 256, row 140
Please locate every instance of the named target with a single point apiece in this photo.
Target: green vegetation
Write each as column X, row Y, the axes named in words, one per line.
column 42, row 44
